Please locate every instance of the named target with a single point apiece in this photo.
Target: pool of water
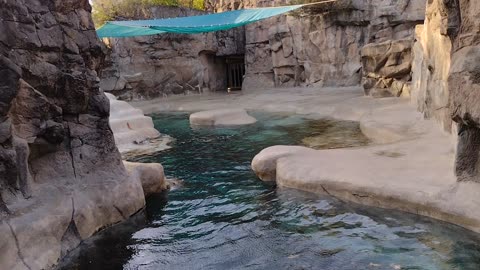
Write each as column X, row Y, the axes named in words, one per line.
column 223, row 217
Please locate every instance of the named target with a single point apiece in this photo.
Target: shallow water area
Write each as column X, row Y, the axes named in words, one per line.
column 223, row 217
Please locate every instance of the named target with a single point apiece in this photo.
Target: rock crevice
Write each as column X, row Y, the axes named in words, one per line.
column 19, row 251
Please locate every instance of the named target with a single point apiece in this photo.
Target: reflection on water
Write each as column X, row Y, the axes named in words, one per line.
column 222, row 217
column 329, row 133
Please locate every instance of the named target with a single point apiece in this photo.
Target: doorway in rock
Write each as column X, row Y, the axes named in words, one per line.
column 221, row 73
column 235, row 72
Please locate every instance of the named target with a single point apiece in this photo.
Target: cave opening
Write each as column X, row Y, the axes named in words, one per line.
column 235, row 72
column 222, row 73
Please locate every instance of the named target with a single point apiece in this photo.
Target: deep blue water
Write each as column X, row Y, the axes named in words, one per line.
column 223, row 217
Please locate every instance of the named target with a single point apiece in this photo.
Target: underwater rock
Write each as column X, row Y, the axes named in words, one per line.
column 331, row 134
column 223, row 117
column 61, row 176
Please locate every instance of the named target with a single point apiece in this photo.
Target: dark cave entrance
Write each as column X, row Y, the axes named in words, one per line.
column 222, row 73
column 235, row 72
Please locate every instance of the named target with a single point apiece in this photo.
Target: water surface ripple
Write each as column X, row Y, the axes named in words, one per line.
column 224, row 218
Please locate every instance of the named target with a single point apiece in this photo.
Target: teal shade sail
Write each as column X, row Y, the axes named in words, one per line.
column 110, row 29
column 191, row 25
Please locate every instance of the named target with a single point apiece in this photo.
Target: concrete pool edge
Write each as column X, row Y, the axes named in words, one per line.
column 455, row 203
column 363, row 196
column 409, row 168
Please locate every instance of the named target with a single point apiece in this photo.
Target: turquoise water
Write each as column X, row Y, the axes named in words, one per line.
column 223, row 217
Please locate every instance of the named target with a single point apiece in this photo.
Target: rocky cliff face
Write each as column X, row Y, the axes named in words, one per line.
column 445, row 76
column 154, row 66
column 61, row 176
column 463, row 27
column 431, row 64
column 333, row 44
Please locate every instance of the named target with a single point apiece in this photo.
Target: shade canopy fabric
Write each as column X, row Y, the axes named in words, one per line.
column 191, row 25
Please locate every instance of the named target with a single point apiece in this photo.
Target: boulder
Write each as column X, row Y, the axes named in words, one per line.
column 223, row 117
column 151, row 176
column 321, row 45
column 387, row 67
column 61, row 175
column 462, row 27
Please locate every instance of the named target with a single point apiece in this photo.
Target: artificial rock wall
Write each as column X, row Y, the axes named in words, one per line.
column 169, row 64
column 334, row 44
column 446, row 81
column 463, row 27
column 61, row 175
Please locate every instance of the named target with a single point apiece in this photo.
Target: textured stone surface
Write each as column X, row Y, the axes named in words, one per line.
column 265, row 163
column 463, row 27
column 317, row 45
column 151, row 176
column 387, row 68
column 134, row 132
column 321, row 44
column 445, row 76
column 61, row 175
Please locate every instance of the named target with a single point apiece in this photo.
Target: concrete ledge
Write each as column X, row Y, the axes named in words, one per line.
column 387, row 177
column 411, row 169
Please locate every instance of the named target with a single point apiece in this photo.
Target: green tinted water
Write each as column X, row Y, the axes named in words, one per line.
column 225, row 218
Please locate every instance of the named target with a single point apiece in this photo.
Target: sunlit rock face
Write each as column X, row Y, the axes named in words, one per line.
column 61, row 175
column 445, row 76
column 431, row 66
